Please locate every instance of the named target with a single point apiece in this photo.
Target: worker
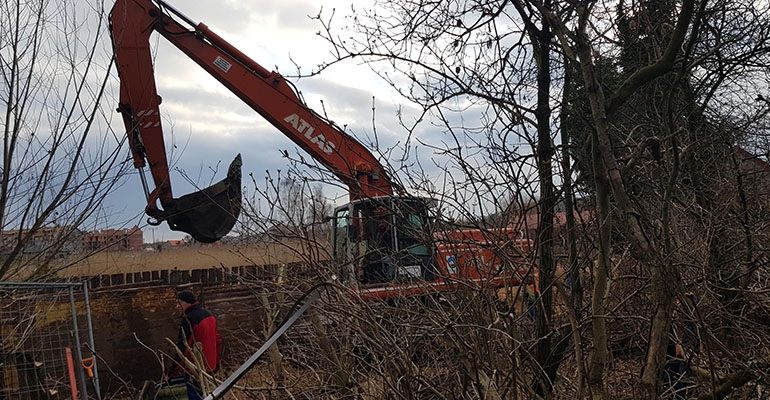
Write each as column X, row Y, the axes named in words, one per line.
column 380, row 266
column 676, row 369
column 198, row 325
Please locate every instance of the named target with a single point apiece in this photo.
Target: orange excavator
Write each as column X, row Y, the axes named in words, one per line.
column 382, row 239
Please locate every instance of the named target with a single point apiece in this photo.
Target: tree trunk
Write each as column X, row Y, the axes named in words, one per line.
column 601, row 276
column 544, row 353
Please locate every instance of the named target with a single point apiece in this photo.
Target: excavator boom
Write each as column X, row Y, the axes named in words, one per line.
column 211, row 213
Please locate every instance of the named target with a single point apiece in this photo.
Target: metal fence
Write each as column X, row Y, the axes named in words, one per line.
column 46, row 342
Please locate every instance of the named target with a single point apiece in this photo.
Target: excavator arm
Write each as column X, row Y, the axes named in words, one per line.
column 211, row 213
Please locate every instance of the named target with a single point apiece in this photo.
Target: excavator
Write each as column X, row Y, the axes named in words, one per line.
column 382, row 240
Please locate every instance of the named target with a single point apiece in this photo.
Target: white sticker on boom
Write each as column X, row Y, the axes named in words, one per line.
column 222, row 64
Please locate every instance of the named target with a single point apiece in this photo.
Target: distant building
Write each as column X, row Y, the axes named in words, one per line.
column 62, row 240
column 66, row 240
column 114, row 239
column 176, row 243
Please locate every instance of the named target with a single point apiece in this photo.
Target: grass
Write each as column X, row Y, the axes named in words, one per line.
column 182, row 258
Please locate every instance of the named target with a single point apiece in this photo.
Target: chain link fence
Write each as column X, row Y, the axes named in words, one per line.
column 46, row 342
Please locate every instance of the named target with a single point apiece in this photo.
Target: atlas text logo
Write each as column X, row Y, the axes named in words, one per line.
column 301, row 126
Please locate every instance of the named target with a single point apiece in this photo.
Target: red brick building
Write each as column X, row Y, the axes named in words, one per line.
column 114, row 239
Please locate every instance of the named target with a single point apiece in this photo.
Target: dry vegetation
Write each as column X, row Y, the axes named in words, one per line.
column 182, row 258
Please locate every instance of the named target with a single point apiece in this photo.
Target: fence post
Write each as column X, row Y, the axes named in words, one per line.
column 91, row 345
column 78, row 351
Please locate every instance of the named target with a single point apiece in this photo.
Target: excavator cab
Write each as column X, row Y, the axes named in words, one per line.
column 384, row 240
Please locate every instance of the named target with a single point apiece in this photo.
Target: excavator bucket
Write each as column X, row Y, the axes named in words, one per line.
column 209, row 214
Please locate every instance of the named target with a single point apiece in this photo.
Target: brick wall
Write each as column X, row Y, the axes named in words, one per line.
column 131, row 324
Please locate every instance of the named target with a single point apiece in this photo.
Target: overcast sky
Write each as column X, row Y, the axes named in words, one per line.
column 205, row 124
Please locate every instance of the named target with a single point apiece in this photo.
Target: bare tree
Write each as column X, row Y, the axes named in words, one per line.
column 647, row 131
column 669, row 194
column 469, row 68
column 59, row 158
